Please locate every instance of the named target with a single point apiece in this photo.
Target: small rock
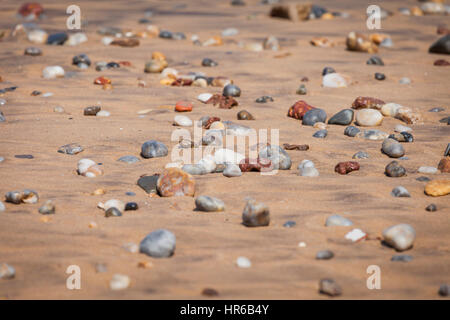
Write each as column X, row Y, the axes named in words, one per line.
column 209, row 204
column 255, row 214
column 103, row 113
column 329, row 287
column 183, row 106
column 245, row 115
column 444, row 165
column 131, row 206
column 327, row 70
column 2, row 207
column 33, row 51
column 337, row 220
column 37, row 36
column 392, row 148
column 372, row 135
column 299, row 109
column 232, row 170
column 264, row 99
column 175, row 182
column 333, row 80
column 153, row 149
column 324, row 255
column 400, row 192
column 307, row 169
column 243, row 262
column 148, row 183
column 447, row 151
column 441, row 46
column 367, row 103
column 302, row 90
column 356, row 235
column 53, row 72
column 351, row 131
column 320, row 134
column 71, row 148
column 26, row 196
column 81, row 58
column 422, row 179
column 231, row 90
column 47, row 208
column 402, row 258
column 7, row 271
column 204, row 97
column 360, row 155
column 427, row 170
column 119, row 282
column 346, row 167
column 271, row 43
column 289, row 224
column 182, row 121
column 128, row 159
column 210, row 292
column 431, row 207
column 380, row 76
column 436, row 188
column 405, row 80
column 158, row 244
column 343, row 117
column 76, row 39
column 280, row 158
column 375, row 60
column 368, row 118
column 314, row 115
column 207, row 62
column 57, row 38
column 91, row 111
column 113, row 212
column 89, row 168
column 402, row 128
column 394, row 169
column 401, row 236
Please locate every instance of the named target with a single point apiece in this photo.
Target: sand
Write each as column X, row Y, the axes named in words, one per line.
column 208, row 244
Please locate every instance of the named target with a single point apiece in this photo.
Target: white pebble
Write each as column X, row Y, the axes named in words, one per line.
column 76, row 39
column 52, row 72
column 114, row 203
column 47, row 94
column 107, row 40
column 302, row 244
column 402, row 128
column 119, row 282
column 355, row 235
column 103, row 113
column 429, row 170
column 243, row 262
column 37, row 36
column 203, row 97
column 182, row 121
column 333, row 80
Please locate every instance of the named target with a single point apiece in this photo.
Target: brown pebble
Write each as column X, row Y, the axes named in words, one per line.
column 209, row 292
column 299, row 147
column 245, row 115
column 346, row 167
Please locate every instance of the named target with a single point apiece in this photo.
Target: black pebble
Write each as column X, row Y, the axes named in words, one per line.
column 207, row 62
column 408, row 136
column 328, row 70
column 131, row 206
column 432, row 207
column 375, row 60
column 113, row 65
column 380, row 76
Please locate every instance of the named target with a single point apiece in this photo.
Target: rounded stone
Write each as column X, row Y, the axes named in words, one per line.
column 182, row 121
column 337, row 220
column 255, row 214
column 394, row 169
column 329, row 287
column 375, row 60
column 207, row 62
column 243, row 262
column 314, row 115
column 431, row 207
column 33, row 51
column 401, row 237
column 245, row 115
column 380, row 76
column 154, row 149
column 81, row 58
column 209, row 204
column 289, row 224
column 47, row 208
column 194, row 169
column 53, row 72
column 7, row 271
column 131, row 206
column 175, row 182
column 351, row 131
column 231, row 90
column 324, row 255
column 368, row 118
column 321, row 134
column 232, row 170
column 158, row 244
column 343, row 117
column 277, row 155
column 360, row 155
column 328, row 70
column 392, row 148
column 119, row 282
column 113, row 212
column 333, row 80
column 128, row 159
column 400, row 192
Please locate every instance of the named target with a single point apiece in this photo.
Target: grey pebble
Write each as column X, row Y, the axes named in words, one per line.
column 324, row 255
column 71, row 148
column 337, row 220
column 313, row 116
column 402, row 258
column 154, row 149
column 209, row 204
column 400, row 192
column 158, row 244
column 343, row 117
column 128, row 159
column 360, row 155
column 351, row 131
column 321, row 134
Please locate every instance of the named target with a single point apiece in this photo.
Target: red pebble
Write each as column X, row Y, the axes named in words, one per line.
column 183, row 106
column 299, row 109
column 102, row 81
column 346, row 167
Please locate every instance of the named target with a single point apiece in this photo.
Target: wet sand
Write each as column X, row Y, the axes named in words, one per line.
column 209, row 243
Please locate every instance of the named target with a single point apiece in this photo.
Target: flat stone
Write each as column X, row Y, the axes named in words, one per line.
column 427, row 170
column 158, row 244
column 209, row 204
column 289, row 224
column 24, row 156
column 321, row 134
column 255, row 214
column 437, row 188
column 423, row 179
column 128, row 159
column 148, row 183
column 402, row 258
column 337, row 220
column 71, row 148
column 360, row 155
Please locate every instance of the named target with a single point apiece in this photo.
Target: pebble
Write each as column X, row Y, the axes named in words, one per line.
column 103, row 113
column 91, row 111
column 53, row 72
column 2, row 117
column 428, row 170
column 280, row 158
column 442, row 45
column 447, row 150
column 7, row 271
column 271, row 43
column 329, row 287
column 119, row 282
column 320, row 134
column 113, row 203
column 89, row 168
column 360, row 155
column 37, row 36
column 57, row 38
column 356, row 235
column 47, row 208
column 359, row 42
column 346, row 167
column 245, row 115
column 175, row 182
column 343, row 117
column 302, row 90
column 337, row 220
column 58, row 109
column 153, row 149
column 26, row 196
column 422, row 179
column 367, row 103
column 401, row 237
column 113, row 212
column 307, row 169
column 76, row 39
column 314, row 115
column 405, row 80
column 333, row 80
column 2, row 207
column 402, row 258
column 243, row 262
column 431, row 207
column 392, row 148
column 402, row 128
column 194, row 169
column 368, row 118
column 438, row 109
column 182, row 121
column 229, row 32
column 351, row 131
column 128, row 159
column 327, row 70
column 231, row 90
column 158, row 244
column 444, row 165
column 204, row 97
column 155, row 66
column 183, row 106
column 289, row 224
column 207, row 62
column 375, row 60
column 444, row 290
column 232, row 170
column 324, row 255
column 33, row 51
column 264, row 99
column 255, row 214
column 380, row 76
column 394, row 169
column 81, row 59
column 209, row 204
column 402, row 137
column 437, row 188
column 373, row 135
column 299, row 109
column 400, row 192
column 210, row 292
column 148, row 183
column 131, row 206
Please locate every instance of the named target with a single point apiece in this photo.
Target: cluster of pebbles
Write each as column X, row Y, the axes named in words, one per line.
column 359, row 120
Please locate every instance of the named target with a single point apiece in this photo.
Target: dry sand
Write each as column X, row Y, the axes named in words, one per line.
column 209, row 243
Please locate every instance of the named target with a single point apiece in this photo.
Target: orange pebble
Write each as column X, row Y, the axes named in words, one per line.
column 102, row 80
column 183, row 106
